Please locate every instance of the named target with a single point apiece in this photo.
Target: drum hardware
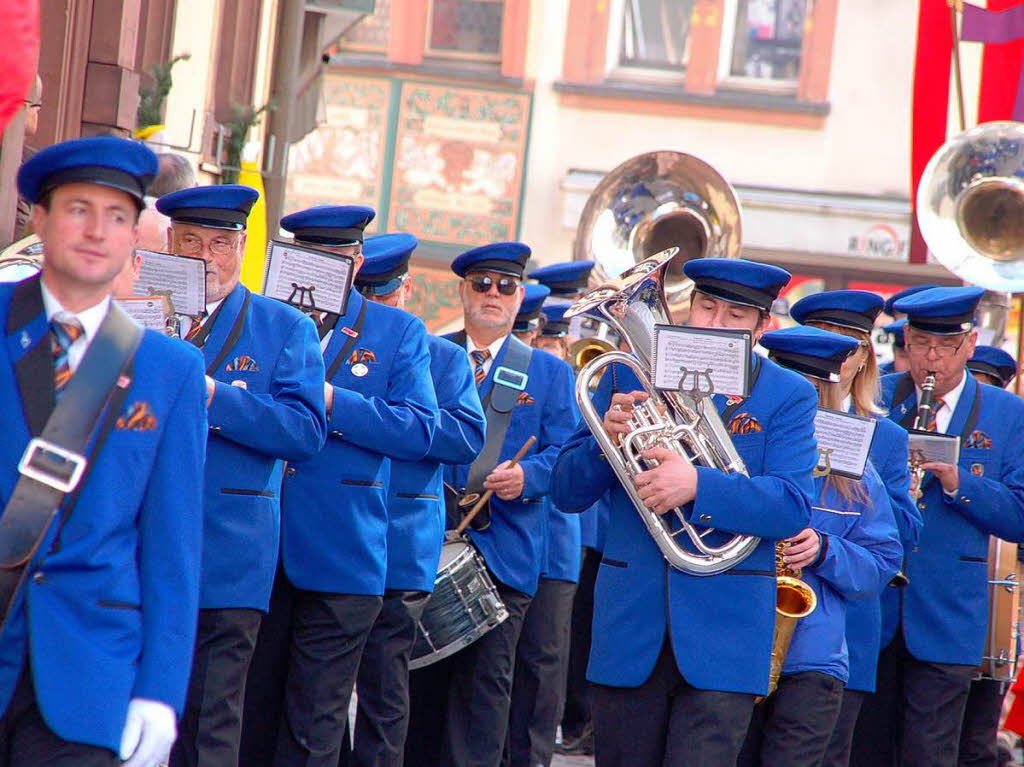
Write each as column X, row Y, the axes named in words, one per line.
column 1000, row 660
column 465, row 604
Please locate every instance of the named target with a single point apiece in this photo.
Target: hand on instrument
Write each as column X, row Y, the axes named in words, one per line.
column 149, row 733
column 948, row 475
column 670, row 484
column 328, row 398
column 211, row 387
column 803, row 549
column 506, row 481
column 619, row 411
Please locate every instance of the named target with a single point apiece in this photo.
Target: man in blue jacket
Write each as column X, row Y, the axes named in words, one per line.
column 416, row 517
column 334, row 541
column 526, row 392
column 264, row 382
column 679, row 658
column 933, row 630
column 96, row 647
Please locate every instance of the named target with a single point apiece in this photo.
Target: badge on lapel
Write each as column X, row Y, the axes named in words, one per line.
column 26, row 339
column 744, row 423
column 733, row 399
column 137, row 418
column 524, row 398
column 360, row 360
column 245, row 362
column 979, row 440
column 977, row 469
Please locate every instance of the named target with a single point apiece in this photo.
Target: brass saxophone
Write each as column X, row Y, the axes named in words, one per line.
column 794, row 600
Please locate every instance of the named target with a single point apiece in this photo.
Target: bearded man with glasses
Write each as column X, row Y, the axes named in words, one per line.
column 933, row 630
column 459, row 706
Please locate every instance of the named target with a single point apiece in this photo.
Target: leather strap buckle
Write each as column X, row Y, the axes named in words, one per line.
column 52, row 465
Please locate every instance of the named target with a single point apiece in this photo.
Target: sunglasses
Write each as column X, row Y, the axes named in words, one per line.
column 507, row 286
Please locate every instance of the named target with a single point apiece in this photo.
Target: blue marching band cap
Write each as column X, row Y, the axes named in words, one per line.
column 995, row 362
column 565, row 279
column 737, row 280
column 331, row 225
column 943, row 311
column 223, row 206
column 502, row 257
column 529, row 316
column 895, row 331
column 385, row 262
column 809, row 350
column 117, row 163
column 557, row 325
column 891, row 300
column 854, row 309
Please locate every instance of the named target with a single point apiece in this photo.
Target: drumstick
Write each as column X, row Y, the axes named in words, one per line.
column 487, row 496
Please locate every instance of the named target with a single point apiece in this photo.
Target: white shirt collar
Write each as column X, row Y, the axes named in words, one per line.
column 212, row 307
column 944, row 414
column 493, row 348
column 90, row 318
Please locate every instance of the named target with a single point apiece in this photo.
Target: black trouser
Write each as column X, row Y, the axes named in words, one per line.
column 459, row 705
column 915, row 716
column 211, row 727
column 578, row 690
column 838, row 752
column 978, row 739
column 382, row 718
column 538, row 684
column 666, row 722
column 27, row 741
column 792, row 727
column 316, row 640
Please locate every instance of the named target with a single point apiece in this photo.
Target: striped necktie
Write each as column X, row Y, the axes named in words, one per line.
column 197, row 325
column 62, row 336
column 480, row 356
column 933, row 424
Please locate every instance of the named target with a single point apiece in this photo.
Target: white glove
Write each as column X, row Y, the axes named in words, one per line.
column 149, row 733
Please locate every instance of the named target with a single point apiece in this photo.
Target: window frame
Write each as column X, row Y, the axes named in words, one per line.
column 724, row 77
column 445, row 54
column 619, row 72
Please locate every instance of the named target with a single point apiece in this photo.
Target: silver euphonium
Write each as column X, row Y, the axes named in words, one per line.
column 684, row 421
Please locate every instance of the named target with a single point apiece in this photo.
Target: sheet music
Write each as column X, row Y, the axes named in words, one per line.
column 308, row 278
column 929, row 446
column 721, row 355
column 148, row 312
column 844, row 441
column 181, row 278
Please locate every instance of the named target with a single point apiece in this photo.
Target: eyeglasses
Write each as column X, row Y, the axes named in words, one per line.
column 507, row 286
column 942, row 351
column 193, row 246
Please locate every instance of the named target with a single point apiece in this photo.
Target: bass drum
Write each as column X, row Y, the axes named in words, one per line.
column 464, row 606
column 1000, row 659
column 21, row 260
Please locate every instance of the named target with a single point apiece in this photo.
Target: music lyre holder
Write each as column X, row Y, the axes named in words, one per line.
column 824, row 467
column 695, row 391
column 172, row 319
column 304, row 293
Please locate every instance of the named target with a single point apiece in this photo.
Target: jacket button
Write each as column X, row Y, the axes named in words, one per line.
column 335, row 433
column 920, row 506
column 705, row 517
column 214, row 428
column 39, row 577
column 290, row 472
column 965, row 499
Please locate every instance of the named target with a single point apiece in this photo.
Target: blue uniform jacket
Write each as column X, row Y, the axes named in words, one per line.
column 513, row 544
column 590, row 521
column 416, row 513
column 110, row 614
column 944, row 610
column 268, row 405
column 334, row 505
column 862, row 552
column 563, row 551
column 864, row 616
column 720, row 626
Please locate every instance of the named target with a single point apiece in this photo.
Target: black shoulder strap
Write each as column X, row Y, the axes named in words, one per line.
column 754, row 375
column 233, row 335
column 972, row 417
column 53, row 464
column 353, row 336
column 509, row 380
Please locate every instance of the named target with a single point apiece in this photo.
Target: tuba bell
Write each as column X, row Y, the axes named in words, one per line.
column 656, row 201
column 22, row 259
column 683, row 421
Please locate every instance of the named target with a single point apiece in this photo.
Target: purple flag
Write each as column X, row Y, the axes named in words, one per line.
column 996, row 27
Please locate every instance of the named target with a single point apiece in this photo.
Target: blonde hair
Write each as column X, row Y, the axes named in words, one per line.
column 851, row 490
column 864, row 391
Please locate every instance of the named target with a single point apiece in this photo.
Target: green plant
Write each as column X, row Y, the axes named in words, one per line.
column 242, row 120
column 151, row 99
